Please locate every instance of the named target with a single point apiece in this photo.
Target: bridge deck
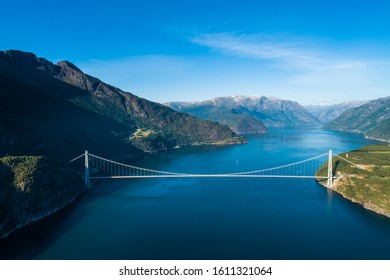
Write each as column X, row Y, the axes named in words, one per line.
column 209, row 176
column 98, row 168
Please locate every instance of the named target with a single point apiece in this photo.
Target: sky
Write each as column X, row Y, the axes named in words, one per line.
column 313, row 52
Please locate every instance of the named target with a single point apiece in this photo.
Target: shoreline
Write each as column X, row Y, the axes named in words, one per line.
column 369, row 207
column 361, row 133
column 377, row 139
column 43, row 216
column 366, row 179
column 59, row 208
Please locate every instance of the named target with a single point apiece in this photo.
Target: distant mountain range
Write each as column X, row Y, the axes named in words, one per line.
column 253, row 114
column 328, row 113
column 371, row 119
column 249, row 114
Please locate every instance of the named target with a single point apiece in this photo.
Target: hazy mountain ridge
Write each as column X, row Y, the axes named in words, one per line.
column 328, row 113
column 371, row 119
column 265, row 112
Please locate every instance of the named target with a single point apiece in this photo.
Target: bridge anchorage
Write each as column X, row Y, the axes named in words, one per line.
column 321, row 167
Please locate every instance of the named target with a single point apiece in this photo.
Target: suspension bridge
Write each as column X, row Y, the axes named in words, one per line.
column 320, row 167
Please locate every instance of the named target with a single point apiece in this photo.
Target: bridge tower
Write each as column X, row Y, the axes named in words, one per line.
column 330, row 170
column 86, row 175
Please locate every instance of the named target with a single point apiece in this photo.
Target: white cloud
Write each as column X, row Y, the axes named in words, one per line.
column 283, row 51
column 308, row 65
column 259, row 46
column 299, row 69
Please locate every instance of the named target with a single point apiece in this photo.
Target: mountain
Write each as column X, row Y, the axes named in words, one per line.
column 249, row 113
column 372, row 119
column 236, row 117
column 51, row 113
column 47, row 109
column 328, row 113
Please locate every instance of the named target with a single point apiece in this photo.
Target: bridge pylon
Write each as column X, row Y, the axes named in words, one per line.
column 86, row 175
column 330, row 170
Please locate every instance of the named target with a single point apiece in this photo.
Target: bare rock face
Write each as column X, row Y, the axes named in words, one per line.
column 72, row 75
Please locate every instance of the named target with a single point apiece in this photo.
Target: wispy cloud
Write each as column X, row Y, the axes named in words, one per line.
column 261, row 46
column 284, row 51
column 297, row 68
column 308, row 62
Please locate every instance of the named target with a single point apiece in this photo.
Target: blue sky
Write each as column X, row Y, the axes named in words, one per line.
column 314, row 52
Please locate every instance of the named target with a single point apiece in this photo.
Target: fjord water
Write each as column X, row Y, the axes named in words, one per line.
column 215, row 218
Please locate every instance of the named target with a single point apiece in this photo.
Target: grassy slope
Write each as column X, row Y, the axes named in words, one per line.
column 32, row 187
column 369, row 184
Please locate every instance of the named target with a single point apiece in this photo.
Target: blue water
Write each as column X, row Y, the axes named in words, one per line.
column 215, row 218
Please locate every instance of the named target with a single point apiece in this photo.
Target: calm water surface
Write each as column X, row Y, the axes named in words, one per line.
column 205, row 218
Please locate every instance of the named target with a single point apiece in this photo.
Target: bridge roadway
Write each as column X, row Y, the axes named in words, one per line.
column 114, row 170
column 117, row 170
column 209, row 176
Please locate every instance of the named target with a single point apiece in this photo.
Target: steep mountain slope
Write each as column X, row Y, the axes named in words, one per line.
column 372, row 119
column 329, row 113
column 48, row 109
column 263, row 111
column 52, row 113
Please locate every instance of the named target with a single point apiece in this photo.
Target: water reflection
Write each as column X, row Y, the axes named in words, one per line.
column 329, row 195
